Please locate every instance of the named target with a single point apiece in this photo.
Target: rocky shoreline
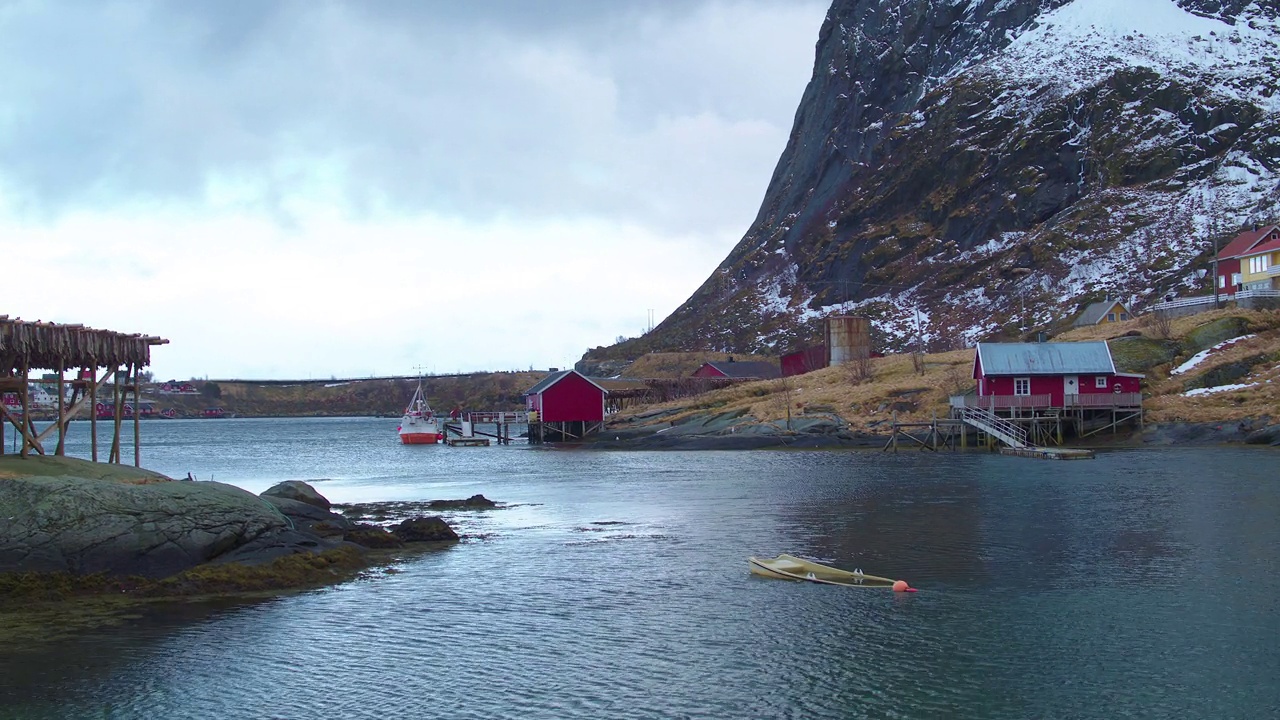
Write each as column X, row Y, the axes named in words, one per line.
column 74, row 528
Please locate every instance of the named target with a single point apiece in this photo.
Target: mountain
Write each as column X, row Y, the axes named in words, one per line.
column 967, row 169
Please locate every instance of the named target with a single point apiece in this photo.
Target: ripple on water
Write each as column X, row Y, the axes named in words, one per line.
column 619, row 588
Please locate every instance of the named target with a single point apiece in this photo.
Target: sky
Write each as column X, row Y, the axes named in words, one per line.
column 316, row 189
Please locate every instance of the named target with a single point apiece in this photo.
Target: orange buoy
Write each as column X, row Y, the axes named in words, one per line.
column 902, row 586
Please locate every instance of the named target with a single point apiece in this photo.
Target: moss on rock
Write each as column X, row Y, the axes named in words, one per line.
column 1214, row 332
column 1137, row 354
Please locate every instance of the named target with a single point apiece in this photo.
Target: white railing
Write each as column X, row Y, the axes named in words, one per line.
column 1011, row 434
column 1222, row 297
column 507, row 417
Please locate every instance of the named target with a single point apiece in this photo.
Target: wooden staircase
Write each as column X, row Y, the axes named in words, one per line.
column 1009, row 433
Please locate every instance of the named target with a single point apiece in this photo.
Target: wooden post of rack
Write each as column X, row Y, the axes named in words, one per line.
column 137, row 415
column 117, row 404
column 62, row 413
column 93, row 408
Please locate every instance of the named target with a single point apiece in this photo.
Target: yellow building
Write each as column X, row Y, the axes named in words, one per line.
column 1260, row 267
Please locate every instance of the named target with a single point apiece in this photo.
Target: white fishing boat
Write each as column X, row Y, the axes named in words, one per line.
column 419, row 426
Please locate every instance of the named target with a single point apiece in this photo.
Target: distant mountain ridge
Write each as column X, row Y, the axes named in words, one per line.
column 961, row 169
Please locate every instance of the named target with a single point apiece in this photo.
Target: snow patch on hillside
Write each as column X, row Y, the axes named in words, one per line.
column 1203, row 354
column 1080, row 44
column 1216, row 389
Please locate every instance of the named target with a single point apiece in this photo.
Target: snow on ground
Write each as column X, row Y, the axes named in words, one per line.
column 1217, row 389
column 1200, row 356
column 1081, row 43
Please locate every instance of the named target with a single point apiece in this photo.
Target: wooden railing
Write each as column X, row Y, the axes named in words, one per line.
column 1001, row 402
column 1104, row 400
column 1045, row 402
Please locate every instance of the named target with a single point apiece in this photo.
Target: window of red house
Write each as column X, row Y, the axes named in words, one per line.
column 1022, row 386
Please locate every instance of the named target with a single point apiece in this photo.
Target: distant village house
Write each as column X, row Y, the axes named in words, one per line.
column 751, row 370
column 1103, row 313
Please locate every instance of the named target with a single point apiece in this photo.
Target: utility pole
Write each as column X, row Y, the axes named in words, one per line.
column 1216, row 305
column 1215, row 210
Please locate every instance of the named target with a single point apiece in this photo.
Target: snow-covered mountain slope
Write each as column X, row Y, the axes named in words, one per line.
column 961, row 169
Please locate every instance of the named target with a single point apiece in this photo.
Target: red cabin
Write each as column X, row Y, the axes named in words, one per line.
column 566, row 396
column 1052, row 375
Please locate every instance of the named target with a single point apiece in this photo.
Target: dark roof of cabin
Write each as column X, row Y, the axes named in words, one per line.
column 556, row 377
column 748, row 369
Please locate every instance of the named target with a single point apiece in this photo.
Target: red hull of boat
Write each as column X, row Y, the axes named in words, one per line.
column 420, row 438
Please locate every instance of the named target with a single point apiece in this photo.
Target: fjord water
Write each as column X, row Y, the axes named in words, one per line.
column 614, row 585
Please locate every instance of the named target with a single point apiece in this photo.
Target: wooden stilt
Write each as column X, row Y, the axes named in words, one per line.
column 117, row 403
column 25, row 398
column 137, row 416
column 93, row 409
column 60, row 450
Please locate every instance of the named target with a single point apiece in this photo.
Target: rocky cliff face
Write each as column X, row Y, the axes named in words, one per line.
column 960, row 169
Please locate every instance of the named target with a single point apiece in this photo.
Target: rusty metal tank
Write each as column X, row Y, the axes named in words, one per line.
column 848, row 338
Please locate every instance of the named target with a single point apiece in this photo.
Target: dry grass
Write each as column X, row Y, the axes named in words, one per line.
column 895, row 389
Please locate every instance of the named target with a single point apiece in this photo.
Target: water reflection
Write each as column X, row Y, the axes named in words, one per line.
column 615, row 585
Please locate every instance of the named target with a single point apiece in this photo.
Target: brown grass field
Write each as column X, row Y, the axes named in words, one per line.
column 896, row 390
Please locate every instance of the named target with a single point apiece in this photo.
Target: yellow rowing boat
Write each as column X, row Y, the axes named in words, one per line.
column 790, row 567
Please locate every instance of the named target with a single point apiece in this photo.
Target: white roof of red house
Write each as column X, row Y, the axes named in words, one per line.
column 1046, row 358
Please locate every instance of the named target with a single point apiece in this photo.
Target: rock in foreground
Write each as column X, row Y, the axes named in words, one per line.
column 78, row 518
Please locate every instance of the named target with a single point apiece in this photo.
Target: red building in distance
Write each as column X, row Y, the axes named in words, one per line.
column 566, row 396
column 752, row 370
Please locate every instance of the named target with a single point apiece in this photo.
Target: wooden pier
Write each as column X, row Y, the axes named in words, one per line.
column 462, row 431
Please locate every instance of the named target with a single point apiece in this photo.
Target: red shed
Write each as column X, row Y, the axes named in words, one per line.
column 803, row 361
column 1052, row 375
column 566, row 396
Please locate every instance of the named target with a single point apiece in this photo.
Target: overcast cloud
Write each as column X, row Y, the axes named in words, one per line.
column 297, row 189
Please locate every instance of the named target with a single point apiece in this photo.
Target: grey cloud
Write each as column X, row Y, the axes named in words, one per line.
column 465, row 109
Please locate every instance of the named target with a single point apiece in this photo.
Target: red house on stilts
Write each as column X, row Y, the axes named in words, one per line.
column 1047, row 381
column 565, row 405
